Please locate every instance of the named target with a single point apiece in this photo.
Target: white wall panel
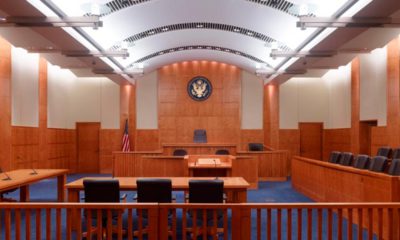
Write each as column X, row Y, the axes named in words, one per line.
column 25, row 88
column 288, row 105
column 60, row 88
column 146, row 101
column 110, row 100
column 339, row 83
column 252, row 101
column 86, row 99
column 373, row 75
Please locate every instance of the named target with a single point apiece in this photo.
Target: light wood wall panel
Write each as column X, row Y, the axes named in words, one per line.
column 355, row 106
column 5, row 105
column 250, row 136
column 179, row 115
column 271, row 115
column 110, row 141
column 61, row 144
column 147, row 140
column 336, row 140
column 379, row 138
column 289, row 139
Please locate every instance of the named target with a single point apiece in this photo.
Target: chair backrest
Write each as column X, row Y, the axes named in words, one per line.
column 200, row 136
column 179, row 152
column 206, row 191
column 335, row 157
column 396, row 153
column 104, row 190
column 346, row 159
column 362, row 162
column 394, row 168
column 222, row 152
column 384, row 152
column 154, row 190
column 378, row 164
column 256, row 147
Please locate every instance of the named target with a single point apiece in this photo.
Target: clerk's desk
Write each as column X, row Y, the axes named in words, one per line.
column 22, row 178
column 212, row 165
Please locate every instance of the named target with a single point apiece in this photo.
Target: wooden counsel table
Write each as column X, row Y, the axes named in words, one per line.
column 211, row 163
column 22, row 178
column 235, row 187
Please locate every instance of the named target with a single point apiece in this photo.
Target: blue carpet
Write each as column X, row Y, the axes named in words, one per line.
column 267, row 192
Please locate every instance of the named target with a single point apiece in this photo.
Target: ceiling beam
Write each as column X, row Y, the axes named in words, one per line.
column 82, row 53
column 322, row 54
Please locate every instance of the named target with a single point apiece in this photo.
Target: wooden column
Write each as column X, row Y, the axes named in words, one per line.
column 355, row 106
column 5, row 105
column 128, row 109
column 393, row 89
column 271, row 115
column 43, row 156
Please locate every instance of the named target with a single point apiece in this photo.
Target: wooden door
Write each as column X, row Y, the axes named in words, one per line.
column 88, row 147
column 365, row 136
column 311, row 140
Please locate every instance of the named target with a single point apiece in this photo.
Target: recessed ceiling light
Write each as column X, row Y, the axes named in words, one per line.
column 250, row 33
column 238, row 53
column 218, row 48
column 165, row 29
column 200, row 25
column 151, row 32
column 199, row 47
column 236, row 30
column 209, row 47
column 227, row 50
column 171, row 50
column 161, row 53
column 180, row 49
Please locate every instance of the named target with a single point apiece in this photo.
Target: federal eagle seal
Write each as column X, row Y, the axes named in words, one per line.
column 199, row 88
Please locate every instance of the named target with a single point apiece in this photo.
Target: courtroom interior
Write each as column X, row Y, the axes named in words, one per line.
column 208, row 119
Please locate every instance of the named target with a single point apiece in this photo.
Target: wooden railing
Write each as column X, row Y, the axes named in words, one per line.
column 189, row 221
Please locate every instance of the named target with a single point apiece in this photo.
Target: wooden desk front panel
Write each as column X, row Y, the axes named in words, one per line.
column 246, row 167
column 272, row 165
column 328, row 182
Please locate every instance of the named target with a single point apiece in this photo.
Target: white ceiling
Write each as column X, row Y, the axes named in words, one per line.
column 241, row 26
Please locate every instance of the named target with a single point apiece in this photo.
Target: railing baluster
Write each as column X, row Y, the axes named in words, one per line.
column 17, row 224
column 225, row 224
column 204, row 222
column 350, row 224
column 360, row 223
column 119, row 224
column 340, row 224
column 330, row 223
column 109, row 224
column 215, row 226
column 27, row 224
column 7, row 220
column 58, row 220
column 88, row 223
column 370, row 226
column 130, row 223
column 78, row 222
column 48, row 224
column 173, row 223
column 390, row 223
column 194, row 223
column 380, row 224
column 184, row 223
column 99, row 223
column 299, row 223
column 69, row 224
column 140, row 223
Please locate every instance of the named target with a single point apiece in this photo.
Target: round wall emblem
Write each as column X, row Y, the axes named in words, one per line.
column 199, row 88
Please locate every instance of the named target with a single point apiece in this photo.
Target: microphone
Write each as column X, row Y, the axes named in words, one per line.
column 33, row 172
column 7, row 176
column 215, row 165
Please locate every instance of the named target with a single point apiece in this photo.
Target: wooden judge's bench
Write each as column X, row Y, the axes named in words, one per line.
column 252, row 166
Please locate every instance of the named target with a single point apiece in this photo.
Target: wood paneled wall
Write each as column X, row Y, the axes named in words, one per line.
column 355, row 106
column 179, row 115
column 5, row 105
column 248, row 136
column 393, row 92
column 336, row 140
column 271, row 115
column 289, row 139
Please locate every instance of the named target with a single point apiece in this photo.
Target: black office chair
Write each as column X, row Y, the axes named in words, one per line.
column 346, row 159
column 222, row 152
column 396, row 153
column 179, row 152
column 394, row 168
column 200, row 136
column 206, row 191
column 101, row 191
column 378, row 164
column 384, row 152
column 154, row 190
column 256, row 147
column 362, row 162
column 335, row 157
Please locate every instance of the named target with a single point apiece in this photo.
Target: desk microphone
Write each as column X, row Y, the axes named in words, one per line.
column 215, row 165
column 33, row 172
column 7, row 176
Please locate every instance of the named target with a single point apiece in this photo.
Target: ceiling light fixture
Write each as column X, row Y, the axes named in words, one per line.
column 88, row 21
column 81, row 53
column 356, row 22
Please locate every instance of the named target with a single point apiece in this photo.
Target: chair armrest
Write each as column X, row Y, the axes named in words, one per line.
column 224, row 197
column 135, row 197
column 123, row 197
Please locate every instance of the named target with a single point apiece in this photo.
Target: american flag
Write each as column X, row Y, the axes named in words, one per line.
column 125, row 139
